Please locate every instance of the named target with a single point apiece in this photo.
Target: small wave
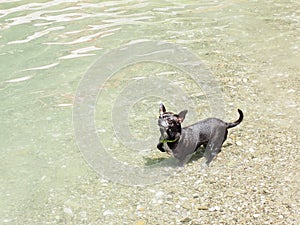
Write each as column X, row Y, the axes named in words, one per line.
column 86, row 38
column 42, row 67
column 20, row 79
column 81, row 52
column 36, row 35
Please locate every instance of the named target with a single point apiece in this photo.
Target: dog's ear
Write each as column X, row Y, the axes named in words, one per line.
column 181, row 115
column 162, row 109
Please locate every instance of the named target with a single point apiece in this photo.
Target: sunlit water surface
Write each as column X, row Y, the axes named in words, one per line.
column 46, row 47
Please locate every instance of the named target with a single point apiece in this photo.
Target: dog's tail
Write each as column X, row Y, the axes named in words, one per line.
column 230, row 125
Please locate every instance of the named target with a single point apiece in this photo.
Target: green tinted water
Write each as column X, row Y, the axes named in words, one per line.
column 46, row 48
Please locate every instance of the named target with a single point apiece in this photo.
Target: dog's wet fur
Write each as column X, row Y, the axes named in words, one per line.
column 183, row 142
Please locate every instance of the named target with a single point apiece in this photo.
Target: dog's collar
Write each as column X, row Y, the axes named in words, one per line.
column 169, row 141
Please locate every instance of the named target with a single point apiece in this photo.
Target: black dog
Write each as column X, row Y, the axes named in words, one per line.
column 182, row 142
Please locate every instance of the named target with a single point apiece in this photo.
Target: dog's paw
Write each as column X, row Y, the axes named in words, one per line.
column 204, row 166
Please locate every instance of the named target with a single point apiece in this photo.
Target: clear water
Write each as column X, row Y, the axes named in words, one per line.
column 46, row 48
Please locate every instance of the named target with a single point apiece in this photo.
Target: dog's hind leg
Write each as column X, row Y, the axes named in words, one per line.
column 211, row 151
column 215, row 144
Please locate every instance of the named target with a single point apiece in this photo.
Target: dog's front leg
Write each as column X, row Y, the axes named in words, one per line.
column 160, row 146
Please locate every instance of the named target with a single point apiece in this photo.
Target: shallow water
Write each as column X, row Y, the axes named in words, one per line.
column 251, row 50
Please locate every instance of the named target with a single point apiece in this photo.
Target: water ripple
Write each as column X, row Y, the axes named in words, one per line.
column 32, row 6
column 81, row 52
column 86, row 38
column 42, row 67
column 112, row 16
column 36, row 35
column 67, row 14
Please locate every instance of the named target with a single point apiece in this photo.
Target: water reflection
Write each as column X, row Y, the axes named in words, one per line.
column 252, row 48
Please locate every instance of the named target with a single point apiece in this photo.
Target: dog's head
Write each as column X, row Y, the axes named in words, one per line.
column 170, row 123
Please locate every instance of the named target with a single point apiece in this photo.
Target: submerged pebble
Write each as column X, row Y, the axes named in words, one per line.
column 68, row 211
column 108, row 213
